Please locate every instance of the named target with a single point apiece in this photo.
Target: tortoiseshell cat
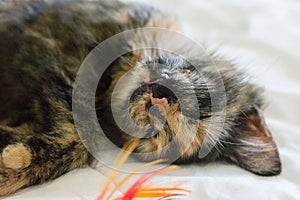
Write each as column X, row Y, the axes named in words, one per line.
column 43, row 44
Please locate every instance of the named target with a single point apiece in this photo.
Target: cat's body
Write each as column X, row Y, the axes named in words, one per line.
column 41, row 49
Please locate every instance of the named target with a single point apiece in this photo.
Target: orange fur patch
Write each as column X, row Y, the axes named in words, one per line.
column 16, row 156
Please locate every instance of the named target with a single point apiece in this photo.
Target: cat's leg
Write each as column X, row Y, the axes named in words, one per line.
column 14, row 159
column 39, row 157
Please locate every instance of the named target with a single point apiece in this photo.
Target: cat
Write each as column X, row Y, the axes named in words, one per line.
column 42, row 46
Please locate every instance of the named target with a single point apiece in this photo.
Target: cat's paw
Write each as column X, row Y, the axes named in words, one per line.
column 16, row 156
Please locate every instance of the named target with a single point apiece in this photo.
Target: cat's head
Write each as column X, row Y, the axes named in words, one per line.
column 180, row 110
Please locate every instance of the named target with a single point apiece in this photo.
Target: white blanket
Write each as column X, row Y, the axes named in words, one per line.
column 263, row 36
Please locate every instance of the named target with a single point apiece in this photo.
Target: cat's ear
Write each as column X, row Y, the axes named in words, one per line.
column 252, row 147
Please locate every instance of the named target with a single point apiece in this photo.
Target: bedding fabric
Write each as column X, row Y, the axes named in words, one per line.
column 262, row 36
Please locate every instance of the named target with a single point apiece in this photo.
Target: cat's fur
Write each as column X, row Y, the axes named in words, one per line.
column 43, row 43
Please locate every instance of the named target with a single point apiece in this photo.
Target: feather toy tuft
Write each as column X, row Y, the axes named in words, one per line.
column 138, row 190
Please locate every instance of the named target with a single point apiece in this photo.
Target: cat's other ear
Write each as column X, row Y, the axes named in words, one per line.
column 252, row 147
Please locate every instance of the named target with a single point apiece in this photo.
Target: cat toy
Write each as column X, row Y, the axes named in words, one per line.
column 138, row 189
